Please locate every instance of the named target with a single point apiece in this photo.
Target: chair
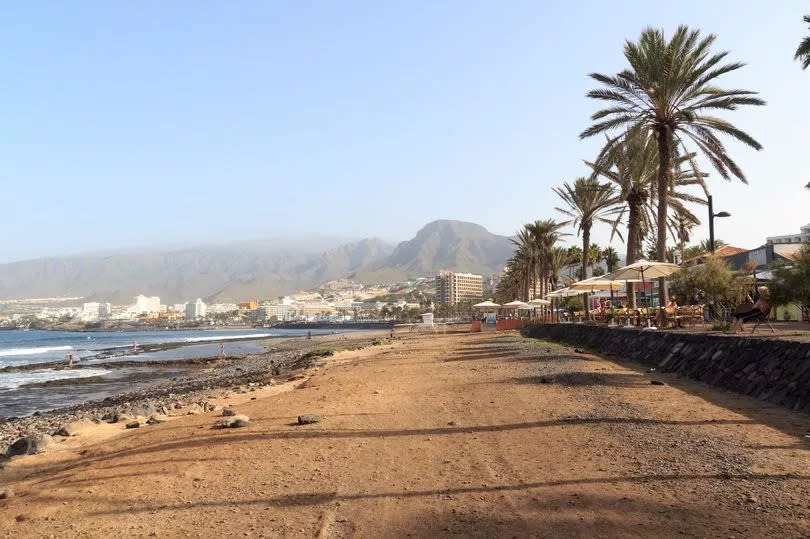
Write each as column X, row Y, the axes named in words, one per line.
column 760, row 318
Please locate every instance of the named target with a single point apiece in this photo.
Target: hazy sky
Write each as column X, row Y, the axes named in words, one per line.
column 139, row 123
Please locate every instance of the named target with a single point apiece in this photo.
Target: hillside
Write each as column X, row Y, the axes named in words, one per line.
column 456, row 245
column 256, row 269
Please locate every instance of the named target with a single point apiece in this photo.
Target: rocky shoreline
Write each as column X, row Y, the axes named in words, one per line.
column 181, row 396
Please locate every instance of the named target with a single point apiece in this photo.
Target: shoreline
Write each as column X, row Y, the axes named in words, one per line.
column 206, row 379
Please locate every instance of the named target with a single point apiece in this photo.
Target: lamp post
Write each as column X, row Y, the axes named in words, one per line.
column 712, row 215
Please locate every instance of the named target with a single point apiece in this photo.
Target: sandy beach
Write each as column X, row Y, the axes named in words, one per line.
column 430, row 435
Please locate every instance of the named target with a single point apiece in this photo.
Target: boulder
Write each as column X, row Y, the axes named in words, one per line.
column 194, row 409
column 308, row 419
column 233, row 422
column 69, row 429
column 133, row 424
column 228, row 412
column 155, row 420
column 29, row 445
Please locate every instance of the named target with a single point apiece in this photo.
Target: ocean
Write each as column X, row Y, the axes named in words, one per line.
column 33, row 376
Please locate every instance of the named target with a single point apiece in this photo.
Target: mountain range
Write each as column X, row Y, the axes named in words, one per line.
column 256, row 269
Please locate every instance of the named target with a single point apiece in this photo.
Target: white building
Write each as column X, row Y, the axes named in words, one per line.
column 94, row 311
column 195, row 310
column 270, row 311
column 802, row 237
column 144, row 305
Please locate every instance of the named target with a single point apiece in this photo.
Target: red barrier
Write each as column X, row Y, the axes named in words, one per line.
column 476, row 326
column 516, row 323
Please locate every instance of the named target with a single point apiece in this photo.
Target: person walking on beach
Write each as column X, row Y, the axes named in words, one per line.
column 70, row 360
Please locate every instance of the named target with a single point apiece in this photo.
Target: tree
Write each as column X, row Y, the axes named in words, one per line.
column 631, row 162
column 611, row 258
column 559, row 258
column 528, row 256
column 594, row 255
column 587, row 201
column 712, row 283
column 791, row 284
column 667, row 93
column 545, row 234
column 803, row 52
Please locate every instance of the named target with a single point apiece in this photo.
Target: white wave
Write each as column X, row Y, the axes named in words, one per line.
column 17, row 379
column 228, row 337
column 32, row 351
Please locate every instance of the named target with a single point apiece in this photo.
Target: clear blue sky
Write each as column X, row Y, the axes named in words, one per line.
column 149, row 123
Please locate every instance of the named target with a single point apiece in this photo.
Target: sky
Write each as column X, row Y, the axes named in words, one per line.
column 132, row 124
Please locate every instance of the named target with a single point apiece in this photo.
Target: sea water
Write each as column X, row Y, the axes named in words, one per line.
column 32, row 388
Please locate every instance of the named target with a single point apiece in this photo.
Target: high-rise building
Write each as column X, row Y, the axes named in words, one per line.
column 195, row 310
column 452, row 287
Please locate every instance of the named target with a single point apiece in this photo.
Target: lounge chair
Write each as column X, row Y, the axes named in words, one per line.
column 760, row 318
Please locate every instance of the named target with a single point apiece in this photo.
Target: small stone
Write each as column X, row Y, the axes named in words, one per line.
column 451, row 423
column 133, row 424
column 657, row 383
column 228, row 412
column 5, row 494
column 579, row 351
column 307, row 419
column 751, row 499
column 155, row 420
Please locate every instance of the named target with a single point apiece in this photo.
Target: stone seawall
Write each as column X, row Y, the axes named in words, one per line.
column 770, row 370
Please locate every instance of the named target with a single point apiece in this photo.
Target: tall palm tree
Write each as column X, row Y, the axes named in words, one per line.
column 545, row 233
column 803, row 52
column 594, row 255
column 632, row 164
column 526, row 255
column 587, row 202
column 558, row 259
column 669, row 91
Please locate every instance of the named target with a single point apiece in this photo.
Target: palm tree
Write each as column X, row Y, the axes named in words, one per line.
column 632, row 164
column 526, row 256
column 667, row 93
column 587, row 201
column 594, row 255
column 558, row 259
column 611, row 258
column 803, row 52
column 545, row 234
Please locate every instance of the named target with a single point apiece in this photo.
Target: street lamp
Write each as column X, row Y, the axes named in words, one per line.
column 712, row 215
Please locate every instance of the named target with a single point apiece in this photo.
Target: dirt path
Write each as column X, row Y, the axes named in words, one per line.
column 466, row 434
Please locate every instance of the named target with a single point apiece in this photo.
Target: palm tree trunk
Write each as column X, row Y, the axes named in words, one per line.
column 664, row 171
column 633, row 241
column 586, row 241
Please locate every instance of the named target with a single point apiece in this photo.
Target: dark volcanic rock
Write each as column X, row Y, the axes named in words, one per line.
column 29, row 445
column 133, row 424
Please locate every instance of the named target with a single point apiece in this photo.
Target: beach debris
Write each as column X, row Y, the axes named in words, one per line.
column 657, row 383
column 308, row 419
column 133, row 424
column 155, row 420
column 228, row 411
column 29, row 445
column 233, row 422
